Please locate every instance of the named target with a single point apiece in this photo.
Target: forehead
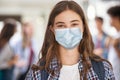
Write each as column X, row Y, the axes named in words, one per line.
column 27, row 25
column 113, row 17
column 67, row 15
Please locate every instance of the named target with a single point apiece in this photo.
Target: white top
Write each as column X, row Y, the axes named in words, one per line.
column 114, row 59
column 69, row 72
column 24, row 55
column 6, row 54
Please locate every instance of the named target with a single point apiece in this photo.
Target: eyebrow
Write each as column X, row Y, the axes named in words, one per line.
column 70, row 21
column 75, row 21
column 59, row 23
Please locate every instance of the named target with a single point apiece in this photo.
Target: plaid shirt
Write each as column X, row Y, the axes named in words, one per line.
column 91, row 75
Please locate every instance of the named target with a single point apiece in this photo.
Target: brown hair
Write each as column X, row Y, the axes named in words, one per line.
column 114, row 11
column 99, row 19
column 50, row 46
column 7, row 31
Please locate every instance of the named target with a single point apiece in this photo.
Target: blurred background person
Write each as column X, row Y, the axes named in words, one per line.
column 26, row 49
column 100, row 40
column 7, row 57
column 114, row 52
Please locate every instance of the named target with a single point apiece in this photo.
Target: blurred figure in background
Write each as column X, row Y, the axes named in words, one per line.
column 100, row 40
column 7, row 57
column 26, row 49
column 114, row 53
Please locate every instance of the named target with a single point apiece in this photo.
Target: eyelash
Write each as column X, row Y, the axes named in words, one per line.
column 60, row 26
column 75, row 24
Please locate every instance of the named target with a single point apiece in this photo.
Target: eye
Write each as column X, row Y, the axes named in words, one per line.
column 60, row 26
column 75, row 24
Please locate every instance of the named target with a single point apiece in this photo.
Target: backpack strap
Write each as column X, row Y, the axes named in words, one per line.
column 44, row 73
column 98, row 67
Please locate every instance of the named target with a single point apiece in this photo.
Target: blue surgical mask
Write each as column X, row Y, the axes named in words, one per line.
column 69, row 38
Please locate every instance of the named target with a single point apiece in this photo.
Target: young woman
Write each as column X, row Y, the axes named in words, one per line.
column 26, row 50
column 67, row 52
column 7, row 57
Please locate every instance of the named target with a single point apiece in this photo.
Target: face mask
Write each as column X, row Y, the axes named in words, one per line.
column 69, row 37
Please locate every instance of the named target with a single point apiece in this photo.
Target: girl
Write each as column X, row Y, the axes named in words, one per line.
column 67, row 52
column 7, row 57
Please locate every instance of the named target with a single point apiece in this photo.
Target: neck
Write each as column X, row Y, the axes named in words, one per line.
column 26, row 42
column 118, row 28
column 69, row 56
column 100, row 32
column 27, row 38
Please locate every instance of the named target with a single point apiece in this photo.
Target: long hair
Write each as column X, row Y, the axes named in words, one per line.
column 7, row 31
column 50, row 46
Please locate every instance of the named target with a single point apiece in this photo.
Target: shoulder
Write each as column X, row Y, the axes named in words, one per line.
column 108, row 70
column 33, row 75
column 107, row 65
column 7, row 49
column 18, row 45
column 18, row 42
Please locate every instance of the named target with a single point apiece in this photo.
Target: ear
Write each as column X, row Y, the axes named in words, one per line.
column 51, row 28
